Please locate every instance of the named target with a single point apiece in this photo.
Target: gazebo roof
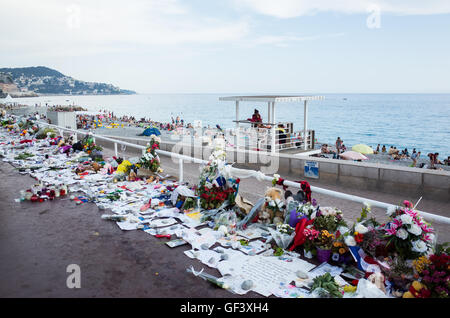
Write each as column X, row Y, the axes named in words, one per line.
column 271, row 98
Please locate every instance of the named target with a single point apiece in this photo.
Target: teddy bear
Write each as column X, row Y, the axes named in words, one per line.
column 272, row 211
column 378, row 280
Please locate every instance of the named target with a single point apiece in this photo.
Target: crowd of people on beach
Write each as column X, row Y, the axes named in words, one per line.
column 393, row 153
column 104, row 117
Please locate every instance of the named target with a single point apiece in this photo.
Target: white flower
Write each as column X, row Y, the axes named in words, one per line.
column 223, row 229
column 276, row 177
column 361, row 228
column 402, row 234
column 208, row 185
column 366, row 205
column 343, row 229
column 406, row 219
column 350, row 241
column 279, row 203
column 390, row 210
column 272, row 203
column 419, row 246
column 415, row 229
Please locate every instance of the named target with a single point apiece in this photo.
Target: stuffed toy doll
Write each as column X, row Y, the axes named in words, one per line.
column 272, row 211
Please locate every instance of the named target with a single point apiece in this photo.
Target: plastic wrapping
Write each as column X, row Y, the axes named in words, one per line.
column 282, row 240
column 227, row 219
column 320, row 293
column 366, row 289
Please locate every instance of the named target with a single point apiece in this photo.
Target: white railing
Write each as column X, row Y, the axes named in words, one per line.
column 260, row 139
column 256, row 174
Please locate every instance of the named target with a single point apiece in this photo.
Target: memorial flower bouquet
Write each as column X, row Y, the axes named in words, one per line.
column 213, row 189
column 328, row 218
column 285, row 228
column 311, row 234
column 434, row 273
column 366, row 233
column 408, row 233
column 283, row 235
column 214, row 197
column 89, row 145
column 306, row 209
column 339, row 248
column 150, row 160
column 324, row 240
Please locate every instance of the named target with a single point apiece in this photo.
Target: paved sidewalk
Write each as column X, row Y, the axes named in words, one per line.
column 39, row 240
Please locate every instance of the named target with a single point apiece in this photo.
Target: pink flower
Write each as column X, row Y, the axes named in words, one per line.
column 411, row 212
column 397, row 223
column 407, row 203
column 391, row 231
column 426, row 229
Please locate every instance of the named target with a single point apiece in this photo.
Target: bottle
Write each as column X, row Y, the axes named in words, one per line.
column 63, row 190
column 57, row 192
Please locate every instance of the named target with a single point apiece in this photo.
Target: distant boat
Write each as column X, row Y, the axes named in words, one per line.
column 344, row 98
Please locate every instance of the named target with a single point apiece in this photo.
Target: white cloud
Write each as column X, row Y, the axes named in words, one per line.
column 86, row 27
column 285, row 40
column 295, row 8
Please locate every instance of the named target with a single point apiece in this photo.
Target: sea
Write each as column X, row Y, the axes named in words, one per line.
column 420, row 121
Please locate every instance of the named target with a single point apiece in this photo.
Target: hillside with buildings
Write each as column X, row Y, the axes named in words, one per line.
column 40, row 80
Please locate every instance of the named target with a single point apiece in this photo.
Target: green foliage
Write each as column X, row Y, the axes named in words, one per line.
column 325, row 222
column 24, row 156
column 442, row 248
column 278, row 251
column 328, row 283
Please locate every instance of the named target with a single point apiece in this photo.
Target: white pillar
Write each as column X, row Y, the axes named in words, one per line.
column 268, row 112
column 236, row 135
column 180, row 170
column 237, row 114
column 273, row 128
column 305, row 126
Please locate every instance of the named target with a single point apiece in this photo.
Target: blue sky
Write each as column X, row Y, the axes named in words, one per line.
column 221, row 46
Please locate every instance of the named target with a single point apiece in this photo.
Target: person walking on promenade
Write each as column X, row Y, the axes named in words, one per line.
column 338, row 145
column 415, row 156
column 383, row 150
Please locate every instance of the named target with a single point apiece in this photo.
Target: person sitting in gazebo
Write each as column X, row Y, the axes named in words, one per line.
column 256, row 118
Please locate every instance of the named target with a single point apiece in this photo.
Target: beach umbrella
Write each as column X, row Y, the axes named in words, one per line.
column 353, row 155
column 151, row 131
column 364, row 149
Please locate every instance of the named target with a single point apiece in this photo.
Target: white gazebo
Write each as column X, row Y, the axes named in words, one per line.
column 7, row 100
column 271, row 100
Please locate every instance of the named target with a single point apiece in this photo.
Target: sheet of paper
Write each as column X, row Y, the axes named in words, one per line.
column 324, row 268
column 176, row 243
column 290, row 291
column 254, row 247
column 160, row 222
column 252, row 232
